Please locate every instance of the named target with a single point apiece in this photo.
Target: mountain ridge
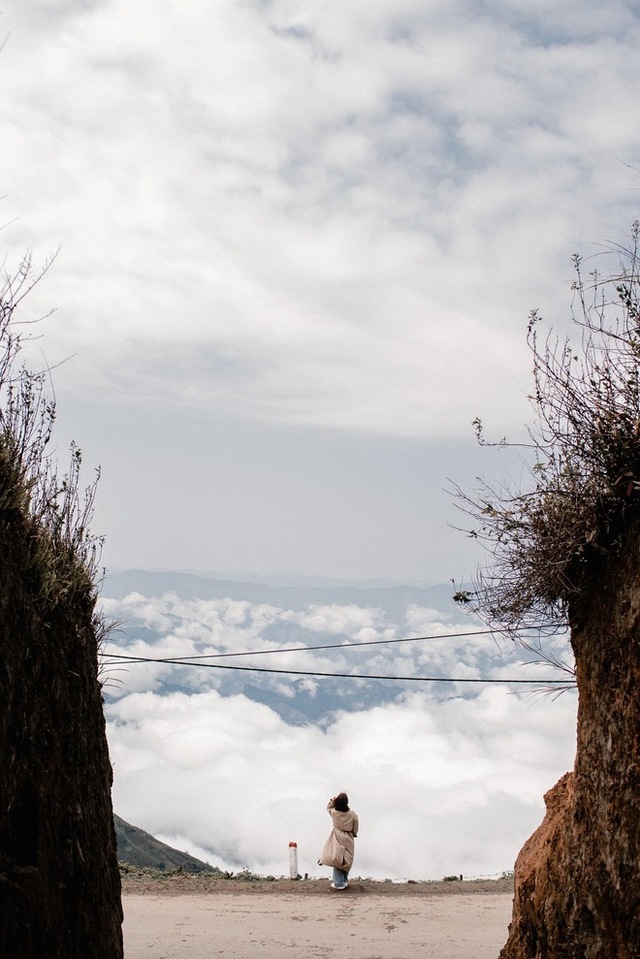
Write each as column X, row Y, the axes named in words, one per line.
column 139, row 848
column 396, row 597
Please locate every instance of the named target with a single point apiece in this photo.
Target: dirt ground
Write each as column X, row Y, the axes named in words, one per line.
column 141, row 881
column 199, row 917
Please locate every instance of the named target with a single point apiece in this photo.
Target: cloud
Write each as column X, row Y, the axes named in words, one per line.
column 440, row 788
column 348, row 619
column 296, row 205
column 312, row 638
column 298, row 248
column 235, row 766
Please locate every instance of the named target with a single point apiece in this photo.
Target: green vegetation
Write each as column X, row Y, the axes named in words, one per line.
column 140, row 849
column 212, row 872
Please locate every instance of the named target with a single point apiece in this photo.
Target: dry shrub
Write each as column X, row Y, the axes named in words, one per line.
column 549, row 541
column 65, row 553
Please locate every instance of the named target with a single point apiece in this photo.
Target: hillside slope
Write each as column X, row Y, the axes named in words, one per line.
column 139, row 848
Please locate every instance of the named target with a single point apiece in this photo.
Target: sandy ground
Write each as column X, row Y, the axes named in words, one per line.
column 311, row 921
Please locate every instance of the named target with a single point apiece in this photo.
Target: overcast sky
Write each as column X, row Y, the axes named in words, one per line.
column 298, row 244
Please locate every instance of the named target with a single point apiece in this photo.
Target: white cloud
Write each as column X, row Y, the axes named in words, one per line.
column 310, row 200
column 324, row 638
column 310, row 219
column 440, row 787
column 430, row 769
column 347, row 619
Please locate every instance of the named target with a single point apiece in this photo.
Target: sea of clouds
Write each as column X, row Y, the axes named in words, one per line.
column 233, row 766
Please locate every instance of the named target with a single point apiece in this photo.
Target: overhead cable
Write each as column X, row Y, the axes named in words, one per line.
column 369, row 642
column 123, row 659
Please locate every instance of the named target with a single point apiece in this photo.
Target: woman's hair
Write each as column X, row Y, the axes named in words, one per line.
column 341, row 802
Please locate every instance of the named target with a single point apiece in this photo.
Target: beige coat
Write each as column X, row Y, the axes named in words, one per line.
column 340, row 847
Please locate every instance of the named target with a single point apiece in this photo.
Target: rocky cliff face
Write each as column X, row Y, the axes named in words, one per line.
column 577, row 883
column 59, row 880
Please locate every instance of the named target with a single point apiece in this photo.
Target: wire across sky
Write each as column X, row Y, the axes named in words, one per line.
column 203, row 662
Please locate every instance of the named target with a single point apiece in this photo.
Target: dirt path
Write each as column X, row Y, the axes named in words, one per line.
column 318, row 924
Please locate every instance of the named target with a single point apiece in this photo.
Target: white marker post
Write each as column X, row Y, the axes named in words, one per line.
column 293, row 860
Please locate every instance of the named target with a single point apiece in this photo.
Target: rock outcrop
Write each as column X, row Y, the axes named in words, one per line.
column 577, row 879
column 59, row 878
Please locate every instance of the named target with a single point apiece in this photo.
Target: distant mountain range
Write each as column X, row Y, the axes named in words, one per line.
column 139, row 848
column 292, row 580
column 394, row 599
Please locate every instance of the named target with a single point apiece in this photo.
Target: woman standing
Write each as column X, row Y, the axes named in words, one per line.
column 340, row 847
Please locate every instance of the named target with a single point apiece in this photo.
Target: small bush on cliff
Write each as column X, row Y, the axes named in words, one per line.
column 64, row 553
column 549, row 541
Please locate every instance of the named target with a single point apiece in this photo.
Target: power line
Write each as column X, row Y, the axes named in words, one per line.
column 370, row 642
column 123, row 660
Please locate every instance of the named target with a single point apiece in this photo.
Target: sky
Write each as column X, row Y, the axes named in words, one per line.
column 297, row 246
column 295, row 250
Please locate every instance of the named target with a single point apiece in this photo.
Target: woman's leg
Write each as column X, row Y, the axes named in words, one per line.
column 339, row 878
